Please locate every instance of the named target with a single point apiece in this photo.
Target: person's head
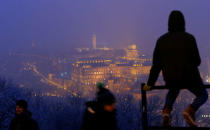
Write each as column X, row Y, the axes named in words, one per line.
column 100, row 86
column 105, row 98
column 176, row 21
column 21, row 106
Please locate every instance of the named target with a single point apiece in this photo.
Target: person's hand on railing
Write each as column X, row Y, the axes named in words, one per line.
column 146, row 87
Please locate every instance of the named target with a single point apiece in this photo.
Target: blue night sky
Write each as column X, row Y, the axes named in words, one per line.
column 59, row 24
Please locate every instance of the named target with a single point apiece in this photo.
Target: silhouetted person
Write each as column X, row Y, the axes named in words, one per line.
column 176, row 55
column 22, row 119
column 101, row 113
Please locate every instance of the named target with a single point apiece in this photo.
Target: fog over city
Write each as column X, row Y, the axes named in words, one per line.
column 54, row 52
column 57, row 25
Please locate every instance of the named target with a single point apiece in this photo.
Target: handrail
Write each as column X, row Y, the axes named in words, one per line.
column 144, row 102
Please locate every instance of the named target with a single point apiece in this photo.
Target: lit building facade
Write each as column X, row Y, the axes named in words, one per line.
column 132, row 53
column 119, row 74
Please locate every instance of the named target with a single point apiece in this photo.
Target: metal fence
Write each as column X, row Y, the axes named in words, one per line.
column 144, row 111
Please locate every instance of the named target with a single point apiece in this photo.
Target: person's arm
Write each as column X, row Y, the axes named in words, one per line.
column 195, row 53
column 89, row 119
column 156, row 66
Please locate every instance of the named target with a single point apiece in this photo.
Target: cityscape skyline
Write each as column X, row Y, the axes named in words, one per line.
column 85, row 67
column 54, row 53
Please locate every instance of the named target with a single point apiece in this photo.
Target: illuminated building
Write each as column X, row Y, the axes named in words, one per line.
column 119, row 75
column 94, row 41
column 50, row 76
column 132, row 53
column 207, row 79
column 94, row 47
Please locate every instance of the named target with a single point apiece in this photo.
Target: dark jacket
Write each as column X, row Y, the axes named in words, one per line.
column 23, row 122
column 95, row 118
column 176, row 55
column 104, row 96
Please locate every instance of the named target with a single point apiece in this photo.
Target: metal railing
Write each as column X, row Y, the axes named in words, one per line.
column 144, row 109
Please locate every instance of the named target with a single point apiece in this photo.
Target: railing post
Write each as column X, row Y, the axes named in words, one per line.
column 144, row 108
